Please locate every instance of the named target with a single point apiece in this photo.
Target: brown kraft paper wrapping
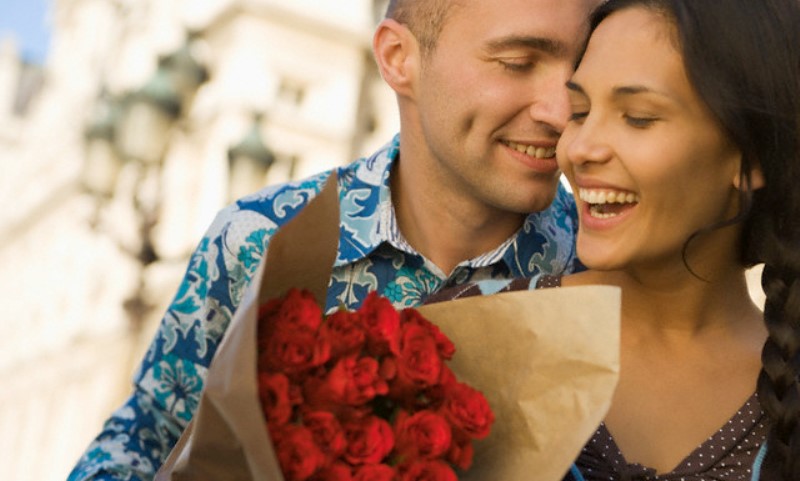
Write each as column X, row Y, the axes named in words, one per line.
column 547, row 361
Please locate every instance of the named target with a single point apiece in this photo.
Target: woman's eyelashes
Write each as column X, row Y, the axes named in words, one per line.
column 639, row 121
column 578, row 116
column 516, row 65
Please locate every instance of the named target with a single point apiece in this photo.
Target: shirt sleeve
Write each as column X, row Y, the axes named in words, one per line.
column 138, row 436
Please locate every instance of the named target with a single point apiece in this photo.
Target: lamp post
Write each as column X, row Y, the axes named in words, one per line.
column 102, row 162
column 138, row 130
column 249, row 161
column 149, row 113
column 184, row 67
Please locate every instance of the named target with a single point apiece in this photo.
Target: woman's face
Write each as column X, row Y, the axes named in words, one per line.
column 648, row 163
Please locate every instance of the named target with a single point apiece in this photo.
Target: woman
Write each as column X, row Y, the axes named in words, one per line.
column 683, row 152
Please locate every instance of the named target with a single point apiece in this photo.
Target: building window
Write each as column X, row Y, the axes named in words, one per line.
column 291, row 92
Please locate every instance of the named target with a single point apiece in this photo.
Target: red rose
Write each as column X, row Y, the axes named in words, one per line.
column 369, row 440
column 375, row 472
column 444, row 345
column 468, row 410
column 298, row 454
column 419, row 364
column 293, row 352
column 278, row 398
column 352, row 381
column 345, row 332
column 298, row 310
column 461, row 452
column 434, row 396
column 424, row 434
column 427, row 471
column 335, row 472
column 381, row 322
column 327, row 432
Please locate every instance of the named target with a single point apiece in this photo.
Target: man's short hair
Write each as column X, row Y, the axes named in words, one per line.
column 424, row 18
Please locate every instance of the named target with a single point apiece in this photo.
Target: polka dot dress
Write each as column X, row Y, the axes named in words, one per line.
column 728, row 455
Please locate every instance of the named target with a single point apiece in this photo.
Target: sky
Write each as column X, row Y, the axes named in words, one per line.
column 27, row 21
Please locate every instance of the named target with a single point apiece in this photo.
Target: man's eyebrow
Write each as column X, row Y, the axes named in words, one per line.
column 546, row 45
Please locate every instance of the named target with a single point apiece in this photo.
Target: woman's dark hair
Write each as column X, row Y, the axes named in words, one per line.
column 743, row 59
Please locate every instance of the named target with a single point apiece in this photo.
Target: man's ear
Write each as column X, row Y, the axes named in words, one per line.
column 756, row 178
column 396, row 52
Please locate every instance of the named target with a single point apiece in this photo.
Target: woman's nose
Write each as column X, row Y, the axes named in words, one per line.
column 584, row 142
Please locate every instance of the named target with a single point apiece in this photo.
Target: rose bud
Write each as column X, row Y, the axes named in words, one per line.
column 298, row 454
column 424, row 434
column 369, row 440
column 381, row 322
column 327, row 432
column 467, row 410
column 375, row 472
column 423, row 470
column 277, row 398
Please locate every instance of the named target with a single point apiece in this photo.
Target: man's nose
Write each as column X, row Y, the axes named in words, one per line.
column 550, row 104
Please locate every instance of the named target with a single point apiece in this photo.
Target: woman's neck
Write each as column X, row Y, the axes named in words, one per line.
column 666, row 306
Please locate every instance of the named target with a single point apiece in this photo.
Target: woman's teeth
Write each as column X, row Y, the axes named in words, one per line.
column 604, row 204
column 538, row 152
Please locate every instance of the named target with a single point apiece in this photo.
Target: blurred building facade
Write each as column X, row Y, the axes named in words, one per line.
column 148, row 117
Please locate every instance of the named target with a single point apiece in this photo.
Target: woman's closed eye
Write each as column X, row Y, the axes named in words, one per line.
column 516, row 64
column 639, row 121
column 578, row 116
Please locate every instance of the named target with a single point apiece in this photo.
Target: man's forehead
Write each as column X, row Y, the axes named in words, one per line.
column 523, row 14
column 554, row 27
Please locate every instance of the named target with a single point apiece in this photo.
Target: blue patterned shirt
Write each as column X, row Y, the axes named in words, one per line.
column 372, row 256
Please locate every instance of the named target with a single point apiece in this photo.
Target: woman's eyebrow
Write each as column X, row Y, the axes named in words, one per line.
column 622, row 90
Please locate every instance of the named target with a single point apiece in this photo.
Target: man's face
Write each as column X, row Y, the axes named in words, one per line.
column 492, row 100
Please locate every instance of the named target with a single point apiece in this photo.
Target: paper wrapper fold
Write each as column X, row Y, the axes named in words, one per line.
column 547, row 361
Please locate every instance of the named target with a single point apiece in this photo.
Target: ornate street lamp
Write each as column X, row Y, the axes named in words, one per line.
column 148, row 116
column 248, row 162
column 185, row 69
column 102, row 162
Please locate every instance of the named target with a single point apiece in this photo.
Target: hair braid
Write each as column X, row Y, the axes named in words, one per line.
column 778, row 389
column 779, row 382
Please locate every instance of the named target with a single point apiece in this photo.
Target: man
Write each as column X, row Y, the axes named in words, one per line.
column 480, row 88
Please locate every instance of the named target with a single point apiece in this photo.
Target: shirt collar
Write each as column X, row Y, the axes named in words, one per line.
column 367, row 219
column 365, row 203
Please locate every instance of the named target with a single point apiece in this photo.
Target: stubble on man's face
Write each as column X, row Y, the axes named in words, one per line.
column 476, row 112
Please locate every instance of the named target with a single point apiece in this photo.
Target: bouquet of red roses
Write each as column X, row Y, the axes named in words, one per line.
column 363, row 395
column 368, row 396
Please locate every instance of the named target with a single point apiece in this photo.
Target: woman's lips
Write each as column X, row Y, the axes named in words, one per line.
column 601, row 205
